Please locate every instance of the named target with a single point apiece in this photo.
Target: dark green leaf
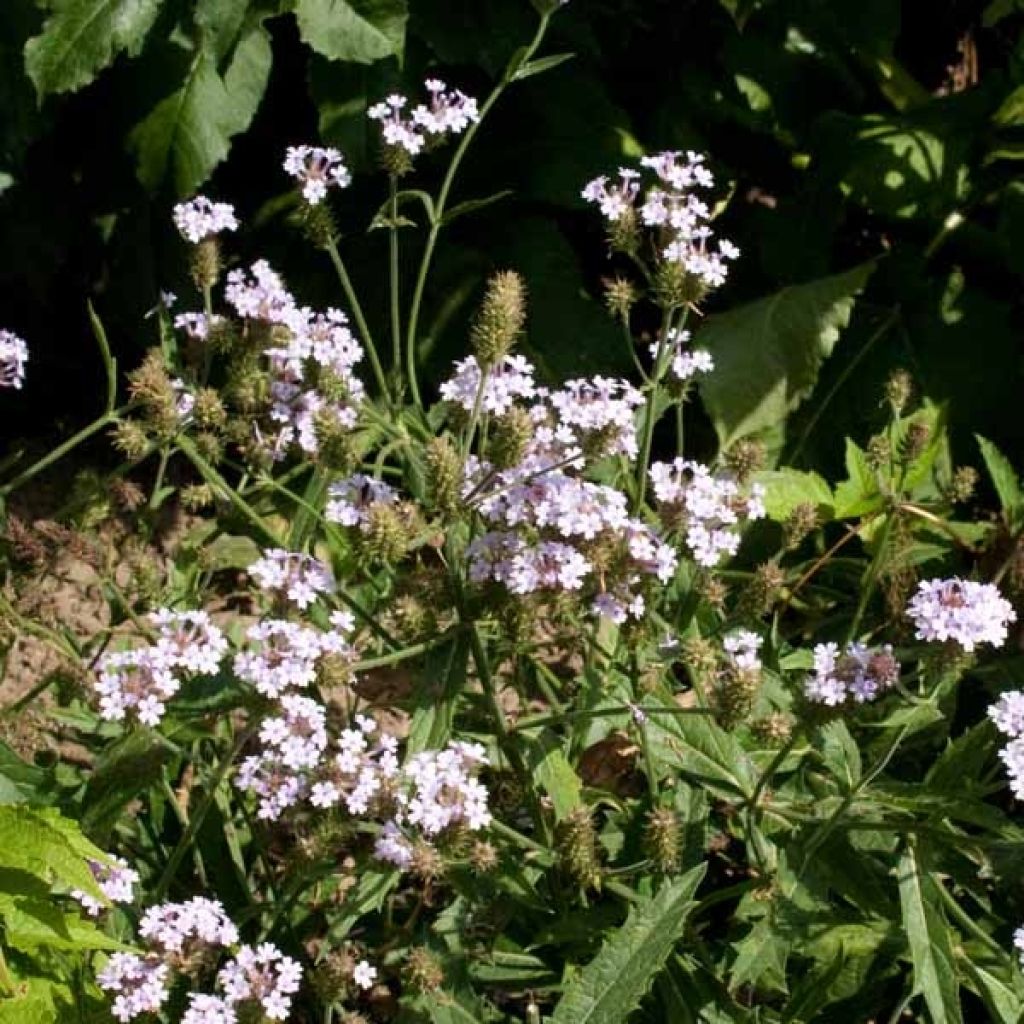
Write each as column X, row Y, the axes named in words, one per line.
column 356, row 30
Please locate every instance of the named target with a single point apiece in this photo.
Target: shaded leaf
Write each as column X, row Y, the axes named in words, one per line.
column 81, row 37
column 356, row 30
column 768, row 353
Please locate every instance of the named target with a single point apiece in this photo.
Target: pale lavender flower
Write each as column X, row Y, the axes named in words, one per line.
column 189, row 640
column 1008, row 713
column 13, row 357
column 115, row 881
column 1018, row 942
column 298, row 736
column 450, row 110
column 264, row 975
column 281, row 656
column 364, row 974
column 207, row 1009
column 198, row 325
column 316, row 169
column 277, row 786
column 135, row 684
column 600, row 410
column 183, row 927
column 393, row 847
column 298, row 577
column 139, row 984
column 200, row 218
column 743, row 648
column 710, row 508
column 397, row 130
column 509, row 379
column 684, row 364
column 614, row 200
column 350, row 499
column 857, row 673
column 260, row 295
column 963, row 611
column 1012, row 756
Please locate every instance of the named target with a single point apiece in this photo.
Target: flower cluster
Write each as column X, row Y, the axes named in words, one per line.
column 137, row 683
column 708, row 509
column 856, row 674
column 598, row 411
column 184, row 937
column 13, row 357
column 313, row 387
column 350, row 500
column 743, row 649
column 672, row 208
column 962, row 611
column 554, row 531
column 448, row 112
column 200, row 218
column 507, row 380
column 288, row 574
column 1008, row 715
column 683, row 363
column 115, row 880
column 316, row 169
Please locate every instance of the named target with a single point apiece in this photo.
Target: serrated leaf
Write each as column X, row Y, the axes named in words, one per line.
column 611, row 986
column 786, row 488
column 1000, row 988
column 841, row 754
column 931, row 947
column 30, row 923
column 48, row 847
column 81, row 37
column 357, row 30
column 222, row 21
column 768, row 353
column 189, row 133
column 761, row 958
column 1004, row 479
column 858, row 494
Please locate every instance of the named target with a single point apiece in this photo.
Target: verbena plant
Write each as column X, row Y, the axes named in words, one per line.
column 501, row 708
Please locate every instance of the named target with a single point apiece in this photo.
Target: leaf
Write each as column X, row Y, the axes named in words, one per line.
column 81, row 37
column 858, row 494
column 555, row 775
column 48, row 847
column 611, row 986
column 539, row 66
column 470, row 205
column 999, row 987
column 762, row 958
column 841, row 754
column 30, row 923
column 931, row 948
column 188, row 134
column 356, row 30
column 1011, row 110
column 221, row 21
column 768, row 353
column 786, row 488
column 1004, row 479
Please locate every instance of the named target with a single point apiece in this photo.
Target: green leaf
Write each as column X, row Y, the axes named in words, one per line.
column 1011, row 110
column 357, row 30
column 768, row 353
column 611, row 986
column 841, row 754
column 539, row 66
column 81, row 37
column 48, row 847
column 1004, row 479
column 30, row 923
column 761, row 959
column 999, row 987
column 858, row 494
column 786, row 488
column 221, row 21
column 555, row 775
column 931, row 947
column 471, row 205
column 188, row 134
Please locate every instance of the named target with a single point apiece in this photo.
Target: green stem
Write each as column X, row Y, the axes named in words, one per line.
column 650, row 414
column 437, row 219
column 868, row 584
column 357, row 315
column 60, row 451
column 396, row 316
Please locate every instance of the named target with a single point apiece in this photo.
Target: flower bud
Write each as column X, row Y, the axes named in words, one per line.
column 426, row 862
column 209, row 446
column 500, row 319
column 423, row 970
column 915, row 441
column 734, row 694
column 624, row 232
column 799, row 524
column 317, row 224
column 879, row 452
column 577, row 847
column 510, row 437
column 388, row 530
column 130, row 439
column 205, row 262
column 444, row 475
column 196, row 497
column 745, row 457
column 898, row 390
column 764, row 588
column 674, row 286
column 483, row 857
column 961, row 487
column 774, row 729
column 208, row 410
column 619, row 296
column 661, row 839
column 334, row 442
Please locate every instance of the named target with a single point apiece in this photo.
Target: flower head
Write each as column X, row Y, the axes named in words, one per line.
column 963, row 611
column 264, row 975
column 115, row 880
column 200, row 218
column 140, row 984
column 298, row 577
column 316, row 169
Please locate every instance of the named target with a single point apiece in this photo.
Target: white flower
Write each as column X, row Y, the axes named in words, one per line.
column 200, row 218
column 364, row 975
column 262, row 974
column 115, row 880
column 13, row 357
column 140, row 984
column 966, row 612
column 177, row 927
column 298, row 577
column 316, row 169
column 857, row 674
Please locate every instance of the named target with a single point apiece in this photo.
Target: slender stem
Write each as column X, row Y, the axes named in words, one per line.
column 773, row 766
column 650, row 412
column 394, row 657
column 357, row 315
column 396, row 316
column 59, row 452
column 868, row 585
column 437, row 220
